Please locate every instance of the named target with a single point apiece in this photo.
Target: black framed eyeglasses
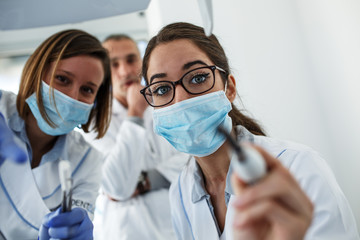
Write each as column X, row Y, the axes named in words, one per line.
column 196, row 81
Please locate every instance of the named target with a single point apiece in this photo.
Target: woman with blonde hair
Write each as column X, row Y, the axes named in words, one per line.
column 65, row 84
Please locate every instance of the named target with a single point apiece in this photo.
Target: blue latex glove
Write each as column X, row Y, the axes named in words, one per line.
column 8, row 148
column 75, row 225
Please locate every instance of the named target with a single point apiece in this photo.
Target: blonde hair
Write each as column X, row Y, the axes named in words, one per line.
column 62, row 45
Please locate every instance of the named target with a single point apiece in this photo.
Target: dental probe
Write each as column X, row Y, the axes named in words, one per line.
column 250, row 165
column 66, row 184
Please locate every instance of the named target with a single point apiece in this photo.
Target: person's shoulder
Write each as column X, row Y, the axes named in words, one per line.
column 7, row 103
column 7, row 95
column 277, row 145
column 289, row 152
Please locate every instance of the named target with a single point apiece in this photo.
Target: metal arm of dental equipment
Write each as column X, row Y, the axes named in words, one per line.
column 207, row 15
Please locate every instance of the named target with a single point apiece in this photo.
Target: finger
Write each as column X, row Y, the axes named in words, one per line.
column 279, row 185
column 43, row 233
column 47, row 218
column 72, row 232
column 76, row 215
column 285, row 222
column 258, row 212
column 85, row 230
column 248, row 233
column 63, row 232
column 88, row 236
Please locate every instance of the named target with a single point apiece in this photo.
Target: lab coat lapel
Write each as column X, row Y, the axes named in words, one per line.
column 228, row 231
column 202, row 218
column 18, row 179
column 46, row 181
column 206, row 228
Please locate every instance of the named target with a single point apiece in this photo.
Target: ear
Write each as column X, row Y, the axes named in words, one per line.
column 231, row 88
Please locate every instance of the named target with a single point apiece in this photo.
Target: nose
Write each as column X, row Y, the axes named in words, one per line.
column 180, row 94
column 73, row 93
column 124, row 69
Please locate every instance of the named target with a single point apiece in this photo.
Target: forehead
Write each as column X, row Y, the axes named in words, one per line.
column 121, row 48
column 80, row 67
column 172, row 56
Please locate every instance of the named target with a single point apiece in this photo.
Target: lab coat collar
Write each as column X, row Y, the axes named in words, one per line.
column 243, row 134
column 56, row 151
column 17, row 124
column 198, row 190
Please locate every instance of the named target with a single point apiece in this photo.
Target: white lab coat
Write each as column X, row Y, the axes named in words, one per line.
column 132, row 148
column 27, row 195
column 333, row 218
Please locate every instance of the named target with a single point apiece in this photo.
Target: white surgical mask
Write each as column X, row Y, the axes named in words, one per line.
column 72, row 112
column 191, row 125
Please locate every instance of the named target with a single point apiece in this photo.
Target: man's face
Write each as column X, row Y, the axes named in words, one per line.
column 125, row 66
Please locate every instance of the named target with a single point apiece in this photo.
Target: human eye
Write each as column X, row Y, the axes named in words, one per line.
column 198, row 77
column 114, row 64
column 62, row 79
column 160, row 90
column 131, row 60
column 87, row 90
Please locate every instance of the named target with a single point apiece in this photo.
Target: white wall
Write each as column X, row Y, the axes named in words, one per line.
column 297, row 65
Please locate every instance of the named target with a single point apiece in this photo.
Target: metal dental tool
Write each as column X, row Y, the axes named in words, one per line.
column 250, row 165
column 66, row 184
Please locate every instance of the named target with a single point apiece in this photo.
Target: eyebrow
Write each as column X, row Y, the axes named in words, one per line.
column 66, row 72
column 158, row 75
column 92, row 84
column 185, row 67
column 190, row 64
column 73, row 75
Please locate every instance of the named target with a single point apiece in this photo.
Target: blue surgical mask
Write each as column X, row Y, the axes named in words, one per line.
column 72, row 112
column 191, row 125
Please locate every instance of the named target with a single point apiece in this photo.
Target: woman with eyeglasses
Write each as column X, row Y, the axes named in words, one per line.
column 191, row 88
column 65, row 84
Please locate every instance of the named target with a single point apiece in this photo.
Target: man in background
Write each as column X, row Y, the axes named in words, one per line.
column 140, row 165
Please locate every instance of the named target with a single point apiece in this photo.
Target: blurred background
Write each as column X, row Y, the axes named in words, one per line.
column 297, row 66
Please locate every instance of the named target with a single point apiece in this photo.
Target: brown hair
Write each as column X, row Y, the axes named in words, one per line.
column 62, row 45
column 212, row 48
